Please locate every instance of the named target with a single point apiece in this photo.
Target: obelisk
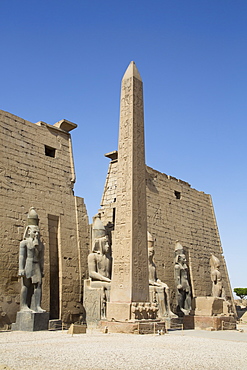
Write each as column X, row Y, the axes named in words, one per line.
column 130, row 256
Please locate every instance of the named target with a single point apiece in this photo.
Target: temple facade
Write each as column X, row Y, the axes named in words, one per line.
column 37, row 170
column 175, row 212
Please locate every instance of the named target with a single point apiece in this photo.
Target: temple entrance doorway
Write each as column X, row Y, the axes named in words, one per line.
column 53, row 227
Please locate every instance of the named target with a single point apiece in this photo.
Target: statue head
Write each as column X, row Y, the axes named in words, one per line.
column 150, row 252
column 150, row 240
column 178, row 248
column 100, row 242
column 32, row 229
column 179, row 253
column 98, row 229
column 33, row 233
column 101, row 245
column 105, row 246
column 150, row 245
column 181, row 258
column 32, row 217
column 214, row 262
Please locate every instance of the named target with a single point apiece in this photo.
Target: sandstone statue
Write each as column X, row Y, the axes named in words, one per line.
column 161, row 288
column 97, row 288
column 31, row 264
column 100, row 260
column 183, row 289
column 216, row 278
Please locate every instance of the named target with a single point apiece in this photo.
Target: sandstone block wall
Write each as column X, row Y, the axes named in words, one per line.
column 37, row 170
column 175, row 211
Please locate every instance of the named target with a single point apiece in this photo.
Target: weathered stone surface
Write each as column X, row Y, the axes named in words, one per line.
column 209, row 306
column 56, row 324
column 183, row 289
column 130, row 268
column 30, row 175
column 209, row 322
column 31, row 265
column 100, row 259
column 141, row 327
column 189, row 219
column 31, row 321
column 158, row 290
column 96, row 290
column 77, row 329
column 217, row 287
column 95, row 296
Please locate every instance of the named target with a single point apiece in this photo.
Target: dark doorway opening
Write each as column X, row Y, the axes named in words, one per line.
column 53, row 224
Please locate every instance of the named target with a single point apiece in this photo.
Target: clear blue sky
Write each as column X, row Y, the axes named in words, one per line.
column 65, row 59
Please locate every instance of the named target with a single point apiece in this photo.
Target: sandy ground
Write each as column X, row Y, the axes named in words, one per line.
column 191, row 349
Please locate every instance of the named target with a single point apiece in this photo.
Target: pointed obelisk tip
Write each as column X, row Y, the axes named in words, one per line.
column 132, row 71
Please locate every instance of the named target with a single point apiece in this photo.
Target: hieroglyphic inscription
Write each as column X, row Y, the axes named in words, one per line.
column 130, row 270
column 139, row 196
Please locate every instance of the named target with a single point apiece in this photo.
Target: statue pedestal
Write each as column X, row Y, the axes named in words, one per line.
column 135, row 327
column 95, row 296
column 209, row 306
column 118, row 311
column 210, row 313
column 209, row 322
column 102, row 314
column 158, row 296
column 31, row 321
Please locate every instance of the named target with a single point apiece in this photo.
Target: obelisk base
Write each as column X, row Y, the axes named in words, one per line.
column 118, row 311
column 31, row 321
column 135, row 327
column 123, row 311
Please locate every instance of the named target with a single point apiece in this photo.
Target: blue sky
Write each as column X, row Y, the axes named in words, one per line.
column 65, row 59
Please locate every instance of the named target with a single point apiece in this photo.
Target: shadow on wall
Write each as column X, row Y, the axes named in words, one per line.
column 241, row 308
column 150, row 183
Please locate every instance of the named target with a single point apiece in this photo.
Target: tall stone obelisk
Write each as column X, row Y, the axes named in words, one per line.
column 130, row 256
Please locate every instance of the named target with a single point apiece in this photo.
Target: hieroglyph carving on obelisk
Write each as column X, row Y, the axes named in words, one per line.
column 130, row 256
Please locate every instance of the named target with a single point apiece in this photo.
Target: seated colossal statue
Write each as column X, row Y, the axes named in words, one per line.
column 97, row 287
column 100, row 260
